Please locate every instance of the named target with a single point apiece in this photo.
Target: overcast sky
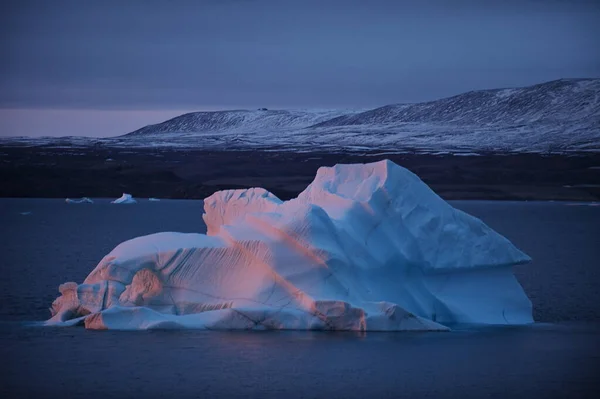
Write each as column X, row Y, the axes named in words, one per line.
column 108, row 67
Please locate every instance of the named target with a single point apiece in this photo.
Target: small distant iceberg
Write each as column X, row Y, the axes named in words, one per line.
column 153, row 199
column 82, row 200
column 125, row 199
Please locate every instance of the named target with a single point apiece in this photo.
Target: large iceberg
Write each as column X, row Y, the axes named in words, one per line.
column 364, row 247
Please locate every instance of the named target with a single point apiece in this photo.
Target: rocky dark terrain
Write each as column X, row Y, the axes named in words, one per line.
column 167, row 173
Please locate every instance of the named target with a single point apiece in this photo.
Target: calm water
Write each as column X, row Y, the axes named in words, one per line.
column 56, row 242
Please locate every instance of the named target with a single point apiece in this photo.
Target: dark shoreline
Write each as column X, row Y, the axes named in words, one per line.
column 194, row 174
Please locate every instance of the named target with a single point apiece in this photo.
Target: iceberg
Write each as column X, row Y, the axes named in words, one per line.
column 124, row 199
column 83, row 200
column 365, row 247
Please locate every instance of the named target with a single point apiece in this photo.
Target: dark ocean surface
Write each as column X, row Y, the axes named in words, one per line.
column 45, row 242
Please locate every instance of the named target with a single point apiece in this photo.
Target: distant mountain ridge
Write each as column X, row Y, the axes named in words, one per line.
column 212, row 121
column 561, row 116
column 557, row 116
column 555, row 101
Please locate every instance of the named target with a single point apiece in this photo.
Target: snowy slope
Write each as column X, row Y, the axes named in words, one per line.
column 570, row 101
column 363, row 247
column 561, row 116
column 558, row 116
column 238, row 121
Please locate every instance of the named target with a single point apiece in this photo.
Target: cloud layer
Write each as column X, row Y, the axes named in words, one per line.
column 189, row 54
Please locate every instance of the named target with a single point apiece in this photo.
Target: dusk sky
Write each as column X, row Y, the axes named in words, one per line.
column 102, row 68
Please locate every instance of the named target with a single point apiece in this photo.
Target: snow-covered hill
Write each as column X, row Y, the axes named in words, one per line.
column 561, row 116
column 239, row 121
column 566, row 101
column 557, row 116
